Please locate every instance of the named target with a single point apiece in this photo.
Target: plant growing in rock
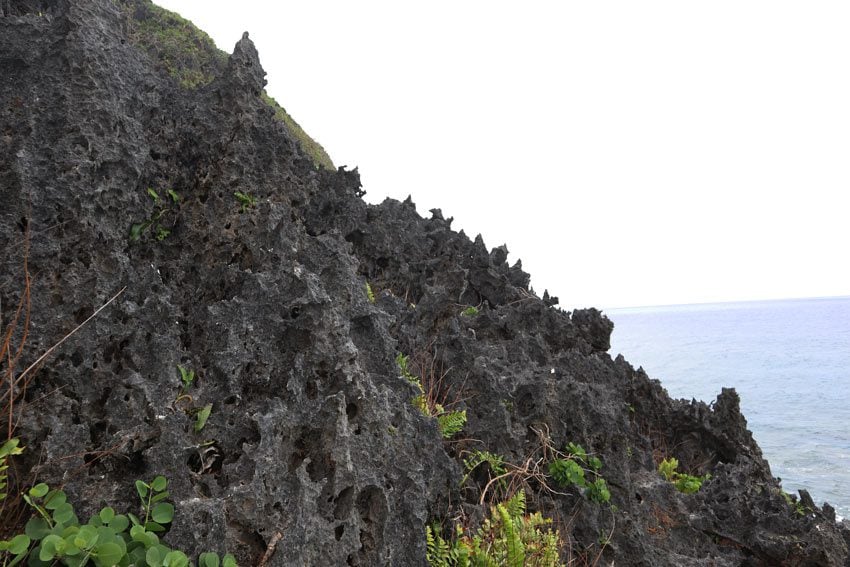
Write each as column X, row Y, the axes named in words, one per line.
column 55, row 535
column 576, row 468
column 187, row 377
column 155, row 222
column 469, row 312
column 509, row 537
column 685, row 483
column 9, row 449
column 370, row 295
column 496, row 464
column 246, row 200
column 202, row 416
column 430, row 401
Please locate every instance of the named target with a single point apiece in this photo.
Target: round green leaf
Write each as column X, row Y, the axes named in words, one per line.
column 63, row 514
column 152, row 557
column 37, row 528
column 159, row 484
column 19, row 544
column 39, row 490
column 141, row 488
column 163, row 513
column 86, row 537
column 70, row 545
column 137, row 556
column 176, row 559
column 54, row 499
column 106, row 515
column 50, row 547
column 138, row 533
column 208, row 560
column 108, row 553
column 119, row 523
column 229, row 561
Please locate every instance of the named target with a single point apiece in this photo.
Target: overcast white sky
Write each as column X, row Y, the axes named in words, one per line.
column 630, row 153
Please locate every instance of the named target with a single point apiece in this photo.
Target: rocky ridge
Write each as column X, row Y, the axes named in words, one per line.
column 313, row 437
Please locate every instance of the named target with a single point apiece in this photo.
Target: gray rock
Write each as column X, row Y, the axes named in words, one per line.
column 312, row 435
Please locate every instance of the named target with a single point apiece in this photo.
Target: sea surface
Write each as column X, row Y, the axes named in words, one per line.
column 789, row 361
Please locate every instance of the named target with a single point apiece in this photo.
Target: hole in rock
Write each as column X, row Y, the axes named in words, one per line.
column 351, row 411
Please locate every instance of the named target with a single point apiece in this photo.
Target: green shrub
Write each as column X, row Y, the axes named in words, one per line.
column 577, row 468
column 509, row 537
column 685, row 483
column 55, row 536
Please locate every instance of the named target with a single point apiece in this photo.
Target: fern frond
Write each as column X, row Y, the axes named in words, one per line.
column 451, row 423
column 437, row 549
column 516, row 505
column 514, row 549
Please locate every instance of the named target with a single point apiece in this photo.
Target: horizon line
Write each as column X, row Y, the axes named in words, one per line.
column 725, row 302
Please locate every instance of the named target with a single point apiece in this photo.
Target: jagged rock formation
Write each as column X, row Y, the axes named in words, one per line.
column 312, row 433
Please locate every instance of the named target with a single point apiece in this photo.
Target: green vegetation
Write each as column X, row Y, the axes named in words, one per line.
column 55, row 536
column 9, row 449
column 794, row 504
column 510, row 537
column 370, row 295
column 577, row 468
column 685, row 483
column 469, row 312
column 246, row 200
column 186, row 378
column 449, row 422
column 309, row 146
column 191, row 58
column 186, row 53
column 163, row 208
column 202, row 416
column 478, row 458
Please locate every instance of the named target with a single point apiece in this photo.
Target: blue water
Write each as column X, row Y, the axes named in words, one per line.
column 789, row 361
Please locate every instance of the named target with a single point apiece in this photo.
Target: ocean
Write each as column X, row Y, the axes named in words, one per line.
column 789, row 361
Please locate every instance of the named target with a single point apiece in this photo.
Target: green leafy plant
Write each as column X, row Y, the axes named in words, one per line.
column 685, row 483
column 449, row 422
column 509, row 537
column 370, row 295
column 155, row 222
column 187, row 377
column 576, row 468
column 495, row 462
column 470, row 312
column 202, row 416
column 247, row 201
column 55, row 536
column 795, row 504
column 9, row 449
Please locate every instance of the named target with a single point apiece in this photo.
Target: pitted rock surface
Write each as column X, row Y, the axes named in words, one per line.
column 312, row 434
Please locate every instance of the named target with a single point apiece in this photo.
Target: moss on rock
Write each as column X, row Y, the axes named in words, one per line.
column 186, row 53
column 312, row 148
column 192, row 59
